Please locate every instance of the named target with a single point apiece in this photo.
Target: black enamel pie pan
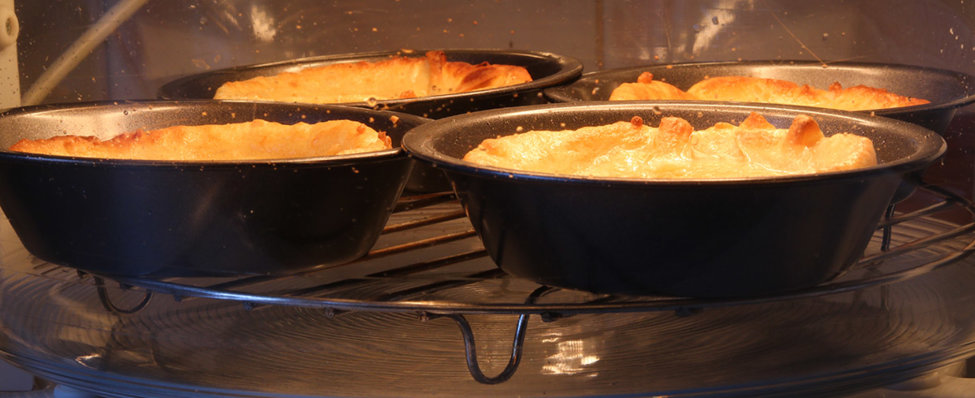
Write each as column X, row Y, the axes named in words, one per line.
column 163, row 218
column 697, row 238
column 947, row 90
column 546, row 69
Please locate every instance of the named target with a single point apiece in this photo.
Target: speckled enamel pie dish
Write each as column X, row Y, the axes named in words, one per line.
column 946, row 90
column 546, row 70
column 151, row 218
column 700, row 238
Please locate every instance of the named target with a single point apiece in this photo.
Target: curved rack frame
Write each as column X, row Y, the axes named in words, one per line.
column 874, row 262
column 874, row 267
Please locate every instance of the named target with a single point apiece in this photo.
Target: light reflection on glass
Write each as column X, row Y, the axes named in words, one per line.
column 571, row 358
column 87, row 359
column 712, row 24
column 263, row 24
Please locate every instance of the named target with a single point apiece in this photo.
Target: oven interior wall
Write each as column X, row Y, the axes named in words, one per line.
column 167, row 39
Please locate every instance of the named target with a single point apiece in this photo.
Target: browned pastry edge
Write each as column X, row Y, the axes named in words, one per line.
column 755, row 89
column 397, row 77
column 257, row 139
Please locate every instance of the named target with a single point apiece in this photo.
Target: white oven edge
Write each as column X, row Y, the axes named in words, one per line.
column 9, row 72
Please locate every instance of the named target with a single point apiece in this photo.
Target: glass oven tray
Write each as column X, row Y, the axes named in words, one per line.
column 427, row 313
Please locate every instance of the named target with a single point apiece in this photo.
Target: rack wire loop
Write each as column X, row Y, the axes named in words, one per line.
column 111, row 307
column 470, row 350
column 470, row 347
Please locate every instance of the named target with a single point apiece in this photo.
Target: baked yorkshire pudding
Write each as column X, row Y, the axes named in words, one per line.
column 756, row 89
column 397, row 77
column 253, row 140
column 236, row 188
column 690, row 237
column 754, row 148
column 946, row 90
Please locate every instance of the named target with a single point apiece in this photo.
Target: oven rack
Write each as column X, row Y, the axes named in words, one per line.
column 430, row 261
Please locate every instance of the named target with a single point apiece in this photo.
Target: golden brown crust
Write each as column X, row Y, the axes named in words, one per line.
column 647, row 88
column 258, row 139
column 754, row 89
column 393, row 78
column 755, row 148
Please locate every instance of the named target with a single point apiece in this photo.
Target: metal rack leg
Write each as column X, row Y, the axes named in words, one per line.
column 471, row 350
column 110, row 306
